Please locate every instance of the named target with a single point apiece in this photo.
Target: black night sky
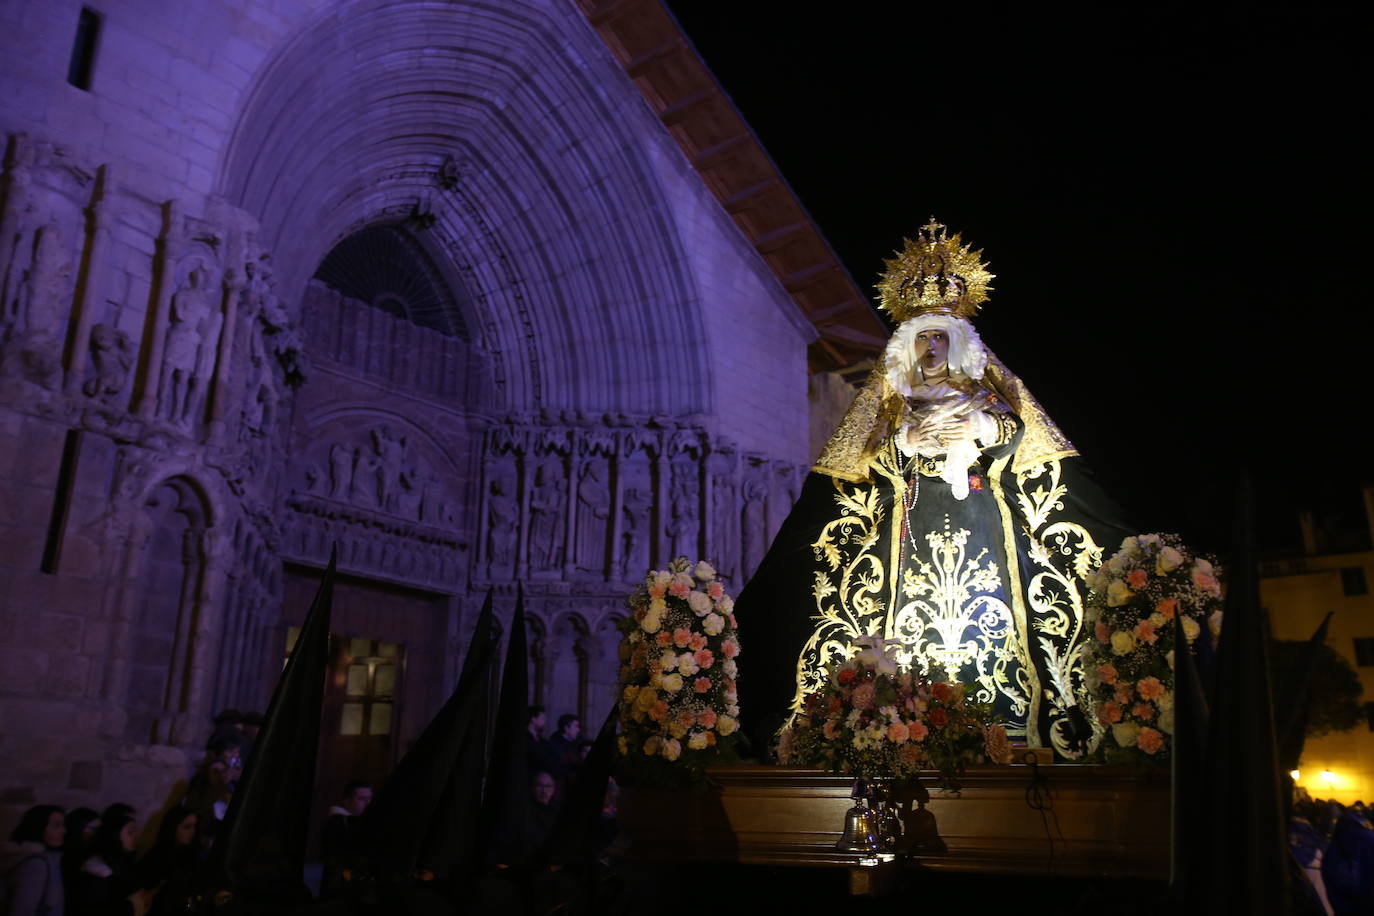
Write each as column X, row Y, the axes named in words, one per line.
column 1168, row 196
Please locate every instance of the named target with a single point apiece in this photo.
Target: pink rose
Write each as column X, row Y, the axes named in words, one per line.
column 863, row 696
column 729, row 648
column 1205, row 581
column 917, row 731
column 662, row 638
column 1150, row 688
column 705, row 658
column 897, row 733
column 701, row 684
column 1145, row 632
column 1149, row 740
column 681, row 637
column 1137, row 579
column 679, row 589
column 707, row 718
column 715, row 590
column 1102, row 632
column 1107, row 673
column 733, row 625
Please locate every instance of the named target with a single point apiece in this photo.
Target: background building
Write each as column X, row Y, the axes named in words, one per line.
column 481, row 293
column 1332, row 575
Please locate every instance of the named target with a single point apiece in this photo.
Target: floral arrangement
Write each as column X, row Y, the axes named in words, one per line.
column 873, row 719
column 679, row 709
column 1136, row 599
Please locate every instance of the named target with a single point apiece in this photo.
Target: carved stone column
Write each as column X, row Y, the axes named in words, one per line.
column 169, row 249
column 234, row 280
column 522, row 544
column 206, row 615
column 102, row 214
column 18, row 177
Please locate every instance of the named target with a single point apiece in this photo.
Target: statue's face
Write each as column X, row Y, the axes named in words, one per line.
column 932, row 348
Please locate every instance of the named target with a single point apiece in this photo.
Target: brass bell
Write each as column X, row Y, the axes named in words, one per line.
column 860, row 830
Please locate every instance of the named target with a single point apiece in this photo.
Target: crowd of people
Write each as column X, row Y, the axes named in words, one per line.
column 1334, row 844
column 122, row 862
column 83, row 862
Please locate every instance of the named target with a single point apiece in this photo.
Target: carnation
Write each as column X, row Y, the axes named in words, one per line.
column 1118, row 593
column 697, row 741
column 700, row 603
column 704, row 571
column 1149, row 740
column 1123, row 643
column 713, row 624
column 672, row 682
column 726, row 725
column 1125, row 733
column 672, row 749
column 1168, row 560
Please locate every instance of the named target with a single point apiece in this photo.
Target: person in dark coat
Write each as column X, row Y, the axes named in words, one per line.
column 106, row 884
column 31, row 864
column 169, row 868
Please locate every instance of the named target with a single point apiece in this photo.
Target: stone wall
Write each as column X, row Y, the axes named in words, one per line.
column 188, row 421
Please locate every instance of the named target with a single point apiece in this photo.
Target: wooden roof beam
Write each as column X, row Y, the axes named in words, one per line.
column 772, row 241
column 636, row 65
column 703, row 158
column 848, row 306
column 682, row 107
column 800, row 279
column 741, row 199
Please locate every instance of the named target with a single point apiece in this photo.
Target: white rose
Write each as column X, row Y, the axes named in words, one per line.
column 1149, row 540
column 1123, row 643
column 1168, row 560
column 1118, row 593
column 1130, row 547
column 704, row 572
column 726, row 725
column 672, row 682
column 699, row 602
column 1190, row 628
column 726, row 604
column 1157, row 619
column 1125, row 733
column 732, row 710
column 731, row 669
column 687, row 664
column 697, row 741
column 1165, row 700
column 651, row 622
column 713, row 624
column 672, row 749
column 658, row 606
column 668, row 661
column 1116, row 564
column 1166, row 721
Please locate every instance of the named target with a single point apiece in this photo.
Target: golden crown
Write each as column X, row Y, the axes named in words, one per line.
column 936, row 273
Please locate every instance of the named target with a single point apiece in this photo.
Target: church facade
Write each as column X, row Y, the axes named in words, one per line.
column 483, row 294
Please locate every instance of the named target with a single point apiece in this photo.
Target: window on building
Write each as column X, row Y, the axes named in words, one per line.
column 1352, row 581
column 82, row 64
column 1364, row 652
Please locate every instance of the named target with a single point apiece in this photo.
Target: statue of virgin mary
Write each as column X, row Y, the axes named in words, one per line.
column 946, row 514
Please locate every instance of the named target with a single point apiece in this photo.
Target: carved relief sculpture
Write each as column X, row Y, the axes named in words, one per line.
column 546, row 517
column 192, row 341
column 593, row 517
column 503, row 520
column 40, row 310
column 112, row 354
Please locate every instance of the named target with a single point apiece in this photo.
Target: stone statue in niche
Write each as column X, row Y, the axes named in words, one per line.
column 113, row 354
column 502, row 523
column 636, row 505
column 433, row 500
column 724, row 537
column 366, row 476
column 391, row 454
column 38, row 313
column 342, row 460
column 593, row 517
column 261, row 301
column 754, row 524
column 682, row 512
column 192, row 342
column 410, row 493
column 546, row 517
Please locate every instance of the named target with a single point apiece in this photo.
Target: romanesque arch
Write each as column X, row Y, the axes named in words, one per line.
column 508, row 138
